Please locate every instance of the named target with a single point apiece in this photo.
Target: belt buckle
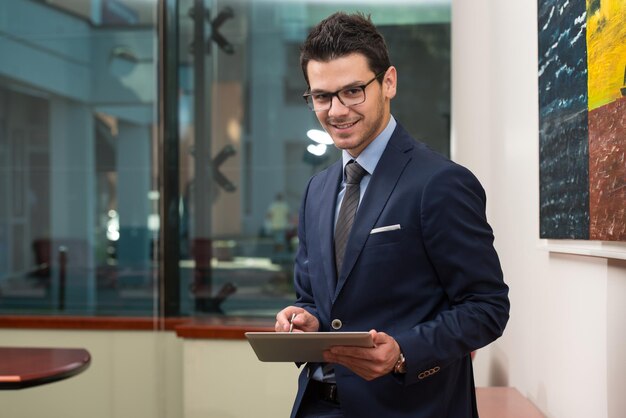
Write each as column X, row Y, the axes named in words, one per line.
column 329, row 392
column 332, row 392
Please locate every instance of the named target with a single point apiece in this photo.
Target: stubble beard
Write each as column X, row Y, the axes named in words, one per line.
column 371, row 131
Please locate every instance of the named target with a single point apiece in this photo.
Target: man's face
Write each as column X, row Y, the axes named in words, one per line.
column 352, row 128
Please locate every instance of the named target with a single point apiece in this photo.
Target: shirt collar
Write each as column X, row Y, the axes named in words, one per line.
column 369, row 157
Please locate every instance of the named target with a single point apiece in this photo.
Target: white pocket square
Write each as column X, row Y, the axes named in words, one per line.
column 385, row 229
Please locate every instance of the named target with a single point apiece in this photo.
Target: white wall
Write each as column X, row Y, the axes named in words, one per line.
column 144, row 374
column 224, row 378
column 133, row 374
column 565, row 342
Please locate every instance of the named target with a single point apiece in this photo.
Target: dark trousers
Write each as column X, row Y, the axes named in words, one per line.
column 316, row 403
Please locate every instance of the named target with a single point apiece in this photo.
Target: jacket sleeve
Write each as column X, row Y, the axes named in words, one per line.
column 459, row 243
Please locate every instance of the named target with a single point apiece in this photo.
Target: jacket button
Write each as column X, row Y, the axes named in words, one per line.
column 336, row 324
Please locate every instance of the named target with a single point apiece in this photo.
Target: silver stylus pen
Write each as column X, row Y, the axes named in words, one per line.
column 291, row 322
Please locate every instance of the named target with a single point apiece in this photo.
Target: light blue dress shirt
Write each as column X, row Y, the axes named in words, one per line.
column 368, row 159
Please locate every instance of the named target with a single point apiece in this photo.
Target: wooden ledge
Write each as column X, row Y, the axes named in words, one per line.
column 228, row 328
column 89, row 323
column 218, row 327
column 504, row 402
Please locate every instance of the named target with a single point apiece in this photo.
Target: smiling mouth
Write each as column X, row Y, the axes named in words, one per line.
column 344, row 125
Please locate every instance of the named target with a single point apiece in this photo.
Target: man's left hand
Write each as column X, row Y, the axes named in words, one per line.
column 369, row 363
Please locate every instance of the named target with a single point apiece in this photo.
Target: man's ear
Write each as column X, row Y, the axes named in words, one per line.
column 390, row 82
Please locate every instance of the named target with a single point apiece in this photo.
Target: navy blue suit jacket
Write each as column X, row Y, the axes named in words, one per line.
column 435, row 284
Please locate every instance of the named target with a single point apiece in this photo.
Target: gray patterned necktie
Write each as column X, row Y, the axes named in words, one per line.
column 347, row 212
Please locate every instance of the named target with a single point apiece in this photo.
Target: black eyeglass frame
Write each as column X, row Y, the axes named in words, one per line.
column 308, row 94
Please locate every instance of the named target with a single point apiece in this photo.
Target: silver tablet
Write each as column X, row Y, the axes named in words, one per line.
column 302, row 346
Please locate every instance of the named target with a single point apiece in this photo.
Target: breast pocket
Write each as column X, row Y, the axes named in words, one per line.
column 386, row 237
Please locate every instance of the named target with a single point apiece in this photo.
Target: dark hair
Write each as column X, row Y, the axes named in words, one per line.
column 342, row 34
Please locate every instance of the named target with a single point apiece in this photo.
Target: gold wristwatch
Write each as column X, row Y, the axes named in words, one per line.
column 400, row 367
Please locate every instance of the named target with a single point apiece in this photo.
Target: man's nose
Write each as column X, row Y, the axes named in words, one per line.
column 336, row 107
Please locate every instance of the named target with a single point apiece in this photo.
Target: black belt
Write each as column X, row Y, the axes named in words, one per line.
column 324, row 391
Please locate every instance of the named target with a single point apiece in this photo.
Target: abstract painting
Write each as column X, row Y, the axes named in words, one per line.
column 582, row 119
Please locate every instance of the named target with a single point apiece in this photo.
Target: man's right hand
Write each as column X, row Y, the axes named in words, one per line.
column 302, row 322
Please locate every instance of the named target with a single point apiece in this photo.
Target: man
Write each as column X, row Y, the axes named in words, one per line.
column 418, row 271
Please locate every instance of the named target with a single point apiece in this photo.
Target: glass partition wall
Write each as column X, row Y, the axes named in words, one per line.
column 78, row 183
column 113, row 204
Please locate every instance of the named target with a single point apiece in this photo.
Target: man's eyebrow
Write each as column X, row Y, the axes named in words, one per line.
column 347, row 86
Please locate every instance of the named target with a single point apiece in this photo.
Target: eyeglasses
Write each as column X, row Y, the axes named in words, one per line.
column 350, row 96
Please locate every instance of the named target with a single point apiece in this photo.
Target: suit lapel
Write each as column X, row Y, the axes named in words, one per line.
column 383, row 181
column 326, row 224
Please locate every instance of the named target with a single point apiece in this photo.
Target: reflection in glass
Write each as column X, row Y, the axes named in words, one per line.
column 80, row 183
column 77, row 106
column 239, row 209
